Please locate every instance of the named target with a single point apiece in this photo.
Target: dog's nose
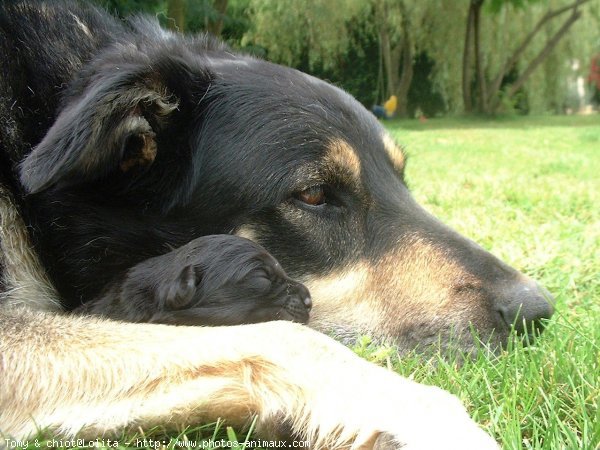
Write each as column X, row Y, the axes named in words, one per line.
column 526, row 306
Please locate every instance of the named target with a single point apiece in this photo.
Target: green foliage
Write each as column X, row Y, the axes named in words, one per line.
column 235, row 22
column 357, row 70
column 125, row 8
column 339, row 40
column 496, row 5
column 311, row 31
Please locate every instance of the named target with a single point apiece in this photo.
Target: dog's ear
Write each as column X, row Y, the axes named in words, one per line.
column 111, row 125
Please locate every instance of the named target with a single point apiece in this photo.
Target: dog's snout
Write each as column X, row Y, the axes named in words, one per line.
column 525, row 306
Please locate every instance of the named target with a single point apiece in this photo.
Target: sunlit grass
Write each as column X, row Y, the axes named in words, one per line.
column 528, row 190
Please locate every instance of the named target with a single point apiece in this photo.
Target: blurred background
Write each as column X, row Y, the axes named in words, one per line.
column 438, row 57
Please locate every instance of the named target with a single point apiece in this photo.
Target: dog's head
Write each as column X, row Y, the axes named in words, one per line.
column 199, row 140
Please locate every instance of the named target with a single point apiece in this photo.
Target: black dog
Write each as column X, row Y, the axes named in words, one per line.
column 150, row 171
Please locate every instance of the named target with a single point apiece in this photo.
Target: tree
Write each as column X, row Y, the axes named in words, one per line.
column 397, row 49
column 213, row 16
column 512, row 50
column 310, row 32
column 490, row 94
column 215, row 26
column 473, row 45
column 176, row 13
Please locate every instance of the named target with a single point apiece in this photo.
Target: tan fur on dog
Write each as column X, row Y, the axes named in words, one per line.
column 24, row 278
column 96, row 377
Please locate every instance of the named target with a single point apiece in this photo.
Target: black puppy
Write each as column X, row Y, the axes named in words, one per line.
column 213, row 280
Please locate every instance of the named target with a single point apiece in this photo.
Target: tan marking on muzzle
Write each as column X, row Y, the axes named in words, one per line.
column 407, row 287
column 418, row 268
column 342, row 155
column 394, row 151
column 340, row 298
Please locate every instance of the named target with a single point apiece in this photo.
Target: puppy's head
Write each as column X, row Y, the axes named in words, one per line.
column 205, row 141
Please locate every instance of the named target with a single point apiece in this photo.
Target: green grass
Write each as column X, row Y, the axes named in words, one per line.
column 527, row 189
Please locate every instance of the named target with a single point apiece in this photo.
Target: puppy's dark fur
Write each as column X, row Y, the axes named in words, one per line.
column 164, row 178
column 213, row 280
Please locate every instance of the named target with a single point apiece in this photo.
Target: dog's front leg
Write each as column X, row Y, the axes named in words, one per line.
column 91, row 376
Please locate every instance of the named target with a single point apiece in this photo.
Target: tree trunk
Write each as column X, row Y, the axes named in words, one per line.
column 386, row 51
column 481, row 82
column 407, row 66
column 216, row 27
column 391, row 55
column 405, row 80
column 176, row 14
column 398, row 79
column 541, row 56
column 466, row 69
column 494, row 91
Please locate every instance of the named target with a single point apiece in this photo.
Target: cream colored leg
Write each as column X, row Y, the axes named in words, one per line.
column 92, row 376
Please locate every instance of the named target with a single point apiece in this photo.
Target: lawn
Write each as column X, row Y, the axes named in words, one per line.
column 528, row 190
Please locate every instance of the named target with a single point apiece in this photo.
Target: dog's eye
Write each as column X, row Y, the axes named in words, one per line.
column 314, row 195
